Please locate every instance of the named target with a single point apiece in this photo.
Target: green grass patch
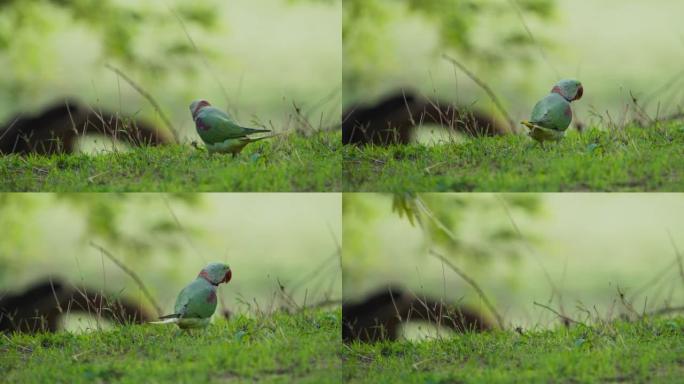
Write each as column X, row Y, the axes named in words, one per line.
column 633, row 159
column 645, row 351
column 304, row 347
column 287, row 163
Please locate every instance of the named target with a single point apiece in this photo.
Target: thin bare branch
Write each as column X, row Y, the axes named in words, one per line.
column 653, row 281
column 149, row 98
column 530, row 249
column 628, row 304
column 534, row 41
column 205, row 61
column 9, row 127
column 132, row 274
column 182, row 229
column 678, row 255
column 473, row 284
column 486, row 88
column 560, row 315
column 54, row 294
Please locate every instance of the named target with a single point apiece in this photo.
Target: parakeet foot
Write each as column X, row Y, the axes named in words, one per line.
column 198, row 147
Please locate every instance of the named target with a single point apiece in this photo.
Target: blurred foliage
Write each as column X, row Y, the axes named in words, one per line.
column 121, row 27
column 327, row 2
column 101, row 216
column 442, row 219
column 367, row 32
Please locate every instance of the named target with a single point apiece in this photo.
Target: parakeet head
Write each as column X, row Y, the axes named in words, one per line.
column 216, row 273
column 196, row 105
column 570, row 89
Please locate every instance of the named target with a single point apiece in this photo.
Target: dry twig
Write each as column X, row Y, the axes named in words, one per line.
column 149, row 98
column 130, row 273
column 486, row 88
column 560, row 315
column 473, row 284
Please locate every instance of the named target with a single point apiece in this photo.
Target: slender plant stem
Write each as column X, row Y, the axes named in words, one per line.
column 473, row 284
column 486, row 88
column 149, row 98
column 562, row 316
column 130, row 273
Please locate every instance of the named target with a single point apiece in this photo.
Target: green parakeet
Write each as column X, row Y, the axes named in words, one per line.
column 219, row 131
column 196, row 303
column 552, row 115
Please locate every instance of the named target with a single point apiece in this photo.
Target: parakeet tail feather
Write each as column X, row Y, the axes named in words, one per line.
column 166, row 321
column 171, row 316
column 256, row 130
column 251, row 140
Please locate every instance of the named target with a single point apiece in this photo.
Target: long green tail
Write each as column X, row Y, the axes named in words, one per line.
column 250, row 131
column 251, row 140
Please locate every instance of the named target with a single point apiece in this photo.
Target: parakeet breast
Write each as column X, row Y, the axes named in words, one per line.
column 227, row 146
column 544, row 134
column 193, row 323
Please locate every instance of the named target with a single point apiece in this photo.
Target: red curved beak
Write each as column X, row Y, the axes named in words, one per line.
column 580, row 92
column 227, row 277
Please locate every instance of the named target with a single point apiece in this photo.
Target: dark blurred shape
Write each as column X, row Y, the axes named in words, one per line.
column 56, row 128
column 39, row 308
column 379, row 315
column 394, row 118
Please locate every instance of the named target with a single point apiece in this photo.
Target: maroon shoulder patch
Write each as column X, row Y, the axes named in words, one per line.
column 201, row 126
column 212, row 297
column 568, row 111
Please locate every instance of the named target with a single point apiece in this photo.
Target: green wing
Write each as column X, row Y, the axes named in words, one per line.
column 192, row 300
column 552, row 112
column 214, row 126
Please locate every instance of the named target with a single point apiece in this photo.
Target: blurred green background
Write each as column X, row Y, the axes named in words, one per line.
column 262, row 53
column 292, row 238
column 588, row 243
column 612, row 46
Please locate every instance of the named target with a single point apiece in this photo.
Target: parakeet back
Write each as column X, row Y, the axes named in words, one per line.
column 197, row 299
column 214, row 126
column 553, row 112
